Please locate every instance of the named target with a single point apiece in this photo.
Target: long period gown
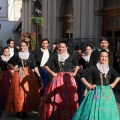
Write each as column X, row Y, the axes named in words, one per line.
column 60, row 100
column 24, row 95
column 100, row 103
column 5, row 81
column 81, row 87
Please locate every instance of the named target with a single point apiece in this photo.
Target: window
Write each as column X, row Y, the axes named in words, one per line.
column 112, row 3
column 113, row 21
column 69, row 25
column 68, row 7
column 0, row 26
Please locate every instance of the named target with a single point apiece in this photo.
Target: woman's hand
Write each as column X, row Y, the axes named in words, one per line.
column 54, row 74
column 115, row 82
column 12, row 67
column 112, row 85
column 90, row 86
column 16, row 68
column 81, row 67
column 73, row 74
column 40, row 82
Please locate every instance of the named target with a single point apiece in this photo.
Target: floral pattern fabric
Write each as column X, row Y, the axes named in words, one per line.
column 99, row 104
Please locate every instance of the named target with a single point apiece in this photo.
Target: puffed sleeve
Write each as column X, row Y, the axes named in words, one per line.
column 114, row 73
column 33, row 63
column 34, row 53
column 87, row 74
column 75, row 61
column 13, row 60
column 0, row 63
column 0, row 59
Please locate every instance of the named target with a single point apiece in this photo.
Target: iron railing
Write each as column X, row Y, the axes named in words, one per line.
column 114, row 43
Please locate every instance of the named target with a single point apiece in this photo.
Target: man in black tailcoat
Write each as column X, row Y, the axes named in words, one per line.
column 12, row 48
column 0, row 107
column 41, row 56
column 104, row 45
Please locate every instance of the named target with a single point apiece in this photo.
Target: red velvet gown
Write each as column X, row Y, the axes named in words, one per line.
column 5, row 81
column 60, row 100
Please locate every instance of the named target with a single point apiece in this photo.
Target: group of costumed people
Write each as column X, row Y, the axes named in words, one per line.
column 55, row 82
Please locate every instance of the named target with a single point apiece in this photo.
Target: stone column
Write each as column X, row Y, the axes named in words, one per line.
column 49, row 19
column 76, row 18
column 58, row 20
column 54, row 19
column 45, row 15
column 50, row 16
column 84, row 19
column 98, row 18
column 26, row 16
column 23, row 16
column 29, row 15
column 98, row 25
column 90, row 19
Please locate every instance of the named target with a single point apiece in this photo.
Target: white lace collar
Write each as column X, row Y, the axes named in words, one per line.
column 3, row 58
column 24, row 55
column 104, row 68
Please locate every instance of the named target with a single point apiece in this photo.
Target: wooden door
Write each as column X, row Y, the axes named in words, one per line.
column 111, row 26
column 68, row 27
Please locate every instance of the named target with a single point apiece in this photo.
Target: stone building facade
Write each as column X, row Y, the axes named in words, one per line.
column 9, row 15
column 75, row 19
column 72, row 18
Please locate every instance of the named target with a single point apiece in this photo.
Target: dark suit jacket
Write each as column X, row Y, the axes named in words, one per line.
column 0, row 106
column 16, row 50
column 38, row 56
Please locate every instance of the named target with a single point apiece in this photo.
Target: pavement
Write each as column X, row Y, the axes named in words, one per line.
column 117, row 95
column 31, row 116
column 34, row 115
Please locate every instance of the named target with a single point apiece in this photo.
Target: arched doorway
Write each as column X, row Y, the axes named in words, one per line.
column 111, row 22
column 66, row 13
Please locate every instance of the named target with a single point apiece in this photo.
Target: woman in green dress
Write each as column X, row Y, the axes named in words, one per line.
column 99, row 103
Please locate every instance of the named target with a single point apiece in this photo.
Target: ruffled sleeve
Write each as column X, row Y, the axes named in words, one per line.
column 75, row 61
column 114, row 73
column 13, row 60
column 33, row 63
column 87, row 74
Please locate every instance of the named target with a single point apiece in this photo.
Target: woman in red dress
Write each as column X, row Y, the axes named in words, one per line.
column 5, row 76
column 24, row 95
column 60, row 100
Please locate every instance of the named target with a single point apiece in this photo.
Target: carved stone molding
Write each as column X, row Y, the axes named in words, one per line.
column 112, row 12
column 99, row 12
column 60, row 18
